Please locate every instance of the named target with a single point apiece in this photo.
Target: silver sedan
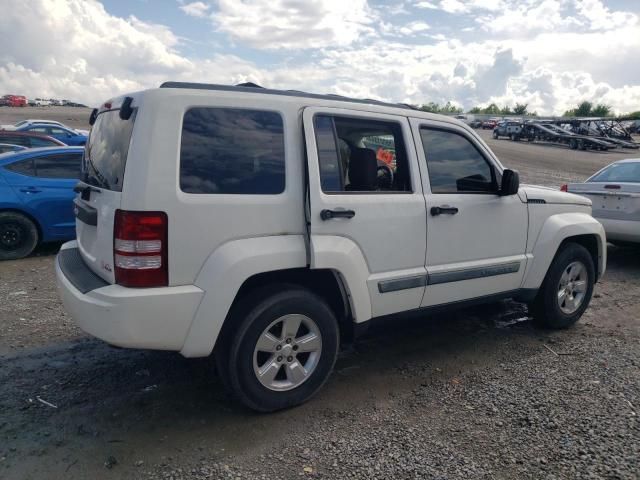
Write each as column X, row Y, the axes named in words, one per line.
column 615, row 193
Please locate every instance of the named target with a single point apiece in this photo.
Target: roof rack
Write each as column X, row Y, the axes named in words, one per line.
column 251, row 87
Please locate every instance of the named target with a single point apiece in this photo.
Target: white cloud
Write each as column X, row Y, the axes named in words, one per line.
column 196, row 9
column 75, row 49
column 414, row 28
column 294, row 24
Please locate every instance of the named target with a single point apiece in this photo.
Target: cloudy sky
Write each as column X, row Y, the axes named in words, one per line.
column 548, row 53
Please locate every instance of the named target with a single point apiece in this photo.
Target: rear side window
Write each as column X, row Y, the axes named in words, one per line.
column 232, row 151
column 23, row 167
column 65, row 165
column 42, row 142
column 105, row 154
column 17, row 140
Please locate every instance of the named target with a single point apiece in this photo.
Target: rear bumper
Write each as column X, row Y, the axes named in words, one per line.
column 151, row 318
column 621, row 230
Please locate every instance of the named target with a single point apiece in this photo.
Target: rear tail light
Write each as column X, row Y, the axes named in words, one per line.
column 564, row 188
column 140, row 249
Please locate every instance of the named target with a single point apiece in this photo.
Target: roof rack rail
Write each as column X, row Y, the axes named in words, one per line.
column 251, row 87
column 248, row 84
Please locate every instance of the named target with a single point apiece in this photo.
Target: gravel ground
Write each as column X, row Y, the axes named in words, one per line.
column 477, row 394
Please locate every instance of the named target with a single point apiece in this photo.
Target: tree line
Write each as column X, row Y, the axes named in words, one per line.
column 583, row 109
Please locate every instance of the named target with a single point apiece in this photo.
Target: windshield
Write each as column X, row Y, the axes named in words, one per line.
column 105, row 154
column 619, row 172
column 21, row 123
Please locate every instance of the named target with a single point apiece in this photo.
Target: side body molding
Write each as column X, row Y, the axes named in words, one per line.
column 345, row 257
column 554, row 230
column 223, row 274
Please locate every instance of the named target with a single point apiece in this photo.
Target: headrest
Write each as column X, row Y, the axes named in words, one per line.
column 363, row 170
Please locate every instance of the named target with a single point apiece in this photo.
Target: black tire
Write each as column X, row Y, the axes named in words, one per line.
column 18, row 236
column 545, row 308
column 495, row 134
column 573, row 145
column 236, row 363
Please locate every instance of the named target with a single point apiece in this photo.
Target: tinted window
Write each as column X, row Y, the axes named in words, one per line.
column 106, row 151
column 619, row 172
column 66, row 165
column 361, row 155
column 38, row 129
column 57, row 131
column 454, row 164
column 42, row 142
column 235, row 151
column 24, row 167
column 17, row 140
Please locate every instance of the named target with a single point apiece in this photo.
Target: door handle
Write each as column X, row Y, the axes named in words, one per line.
column 30, row 190
column 329, row 214
column 444, row 210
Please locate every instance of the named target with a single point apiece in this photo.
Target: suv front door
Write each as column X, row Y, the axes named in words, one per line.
column 476, row 239
column 366, row 209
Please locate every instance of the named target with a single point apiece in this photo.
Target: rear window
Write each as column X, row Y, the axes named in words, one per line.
column 619, row 172
column 232, row 151
column 105, row 154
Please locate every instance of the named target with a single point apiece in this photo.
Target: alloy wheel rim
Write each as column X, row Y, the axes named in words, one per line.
column 572, row 287
column 287, row 352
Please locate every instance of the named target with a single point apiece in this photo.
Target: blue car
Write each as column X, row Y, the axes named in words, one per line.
column 64, row 134
column 36, row 198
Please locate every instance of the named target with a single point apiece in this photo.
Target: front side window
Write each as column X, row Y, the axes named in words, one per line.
column 232, row 151
column 65, row 165
column 361, row 155
column 455, row 165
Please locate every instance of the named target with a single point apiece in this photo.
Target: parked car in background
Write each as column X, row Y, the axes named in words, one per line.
column 32, row 121
column 615, row 194
column 64, row 134
column 29, row 140
column 8, row 147
column 489, row 124
column 36, row 198
column 14, row 101
column 476, row 124
column 508, row 128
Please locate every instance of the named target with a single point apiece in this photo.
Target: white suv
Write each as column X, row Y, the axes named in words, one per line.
column 261, row 225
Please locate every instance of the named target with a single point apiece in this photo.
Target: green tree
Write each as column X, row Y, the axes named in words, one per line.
column 520, row 109
column 584, row 109
column 601, row 110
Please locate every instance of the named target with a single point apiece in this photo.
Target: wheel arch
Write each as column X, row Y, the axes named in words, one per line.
column 557, row 231
column 239, row 267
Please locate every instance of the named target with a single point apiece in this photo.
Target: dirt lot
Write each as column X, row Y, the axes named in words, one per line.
column 478, row 394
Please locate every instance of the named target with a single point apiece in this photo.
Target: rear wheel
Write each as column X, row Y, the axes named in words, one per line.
column 18, row 236
column 566, row 291
column 495, row 134
column 283, row 350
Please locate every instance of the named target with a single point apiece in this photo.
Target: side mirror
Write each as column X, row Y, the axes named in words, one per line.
column 510, row 183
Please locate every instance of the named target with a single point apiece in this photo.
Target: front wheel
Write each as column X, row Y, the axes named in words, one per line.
column 283, row 350
column 566, row 291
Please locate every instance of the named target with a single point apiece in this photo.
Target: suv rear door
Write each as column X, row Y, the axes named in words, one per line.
column 102, row 177
column 358, row 207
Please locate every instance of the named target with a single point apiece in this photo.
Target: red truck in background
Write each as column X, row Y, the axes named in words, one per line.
column 13, row 101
